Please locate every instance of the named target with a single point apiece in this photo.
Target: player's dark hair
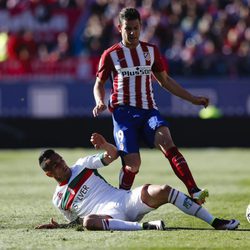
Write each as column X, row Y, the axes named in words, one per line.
column 129, row 14
column 44, row 155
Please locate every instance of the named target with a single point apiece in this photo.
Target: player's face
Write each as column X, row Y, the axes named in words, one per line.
column 57, row 168
column 130, row 32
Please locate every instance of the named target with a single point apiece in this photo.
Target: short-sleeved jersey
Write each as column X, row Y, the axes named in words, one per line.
column 130, row 71
column 85, row 190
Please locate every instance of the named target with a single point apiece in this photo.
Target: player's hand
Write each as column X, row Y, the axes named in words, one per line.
column 52, row 225
column 99, row 108
column 97, row 140
column 201, row 100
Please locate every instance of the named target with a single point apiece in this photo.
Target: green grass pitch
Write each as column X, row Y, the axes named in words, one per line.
column 26, row 202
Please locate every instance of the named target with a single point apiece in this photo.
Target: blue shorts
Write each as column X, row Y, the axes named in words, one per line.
column 133, row 125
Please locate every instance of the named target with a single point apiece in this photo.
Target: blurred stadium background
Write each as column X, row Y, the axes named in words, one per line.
column 49, row 51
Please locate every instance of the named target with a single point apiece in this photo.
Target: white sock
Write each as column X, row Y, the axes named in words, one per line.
column 188, row 206
column 121, row 225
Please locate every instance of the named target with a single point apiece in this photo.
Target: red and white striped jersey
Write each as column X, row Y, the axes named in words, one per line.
column 130, row 71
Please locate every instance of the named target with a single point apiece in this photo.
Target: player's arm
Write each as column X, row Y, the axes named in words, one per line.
column 54, row 225
column 99, row 142
column 99, row 95
column 173, row 87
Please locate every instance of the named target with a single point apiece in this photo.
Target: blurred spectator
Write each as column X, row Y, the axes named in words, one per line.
column 21, row 47
column 62, row 49
column 59, row 51
column 43, row 52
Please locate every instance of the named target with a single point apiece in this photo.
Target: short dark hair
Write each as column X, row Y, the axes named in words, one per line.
column 44, row 155
column 129, row 14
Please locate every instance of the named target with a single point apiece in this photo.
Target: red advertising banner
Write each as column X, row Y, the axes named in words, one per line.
column 59, row 20
column 82, row 68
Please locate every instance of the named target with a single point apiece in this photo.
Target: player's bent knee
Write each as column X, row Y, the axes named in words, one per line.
column 94, row 221
column 89, row 223
column 165, row 189
column 86, row 221
column 155, row 195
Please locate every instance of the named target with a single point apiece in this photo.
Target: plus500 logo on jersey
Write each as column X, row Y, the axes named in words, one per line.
column 135, row 71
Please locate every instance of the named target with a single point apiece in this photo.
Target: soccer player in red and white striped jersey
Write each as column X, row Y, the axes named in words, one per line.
column 131, row 64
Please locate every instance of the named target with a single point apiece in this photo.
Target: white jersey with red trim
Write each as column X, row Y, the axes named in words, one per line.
column 131, row 73
column 86, row 191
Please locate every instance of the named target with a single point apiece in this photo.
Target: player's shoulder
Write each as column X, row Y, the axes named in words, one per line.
column 79, row 164
column 116, row 46
column 147, row 44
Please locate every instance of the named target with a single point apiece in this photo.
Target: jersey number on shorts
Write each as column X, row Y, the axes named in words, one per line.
column 119, row 138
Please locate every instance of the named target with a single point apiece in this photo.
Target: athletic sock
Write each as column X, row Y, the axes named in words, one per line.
column 188, row 206
column 181, row 169
column 126, row 178
column 120, row 225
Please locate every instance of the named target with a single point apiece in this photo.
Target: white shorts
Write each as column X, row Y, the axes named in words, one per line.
column 125, row 205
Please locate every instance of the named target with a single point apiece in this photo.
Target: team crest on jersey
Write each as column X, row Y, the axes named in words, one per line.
column 146, row 56
column 59, row 194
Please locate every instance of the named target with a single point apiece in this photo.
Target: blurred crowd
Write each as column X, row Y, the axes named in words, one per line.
column 41, row 6
column 197, row 37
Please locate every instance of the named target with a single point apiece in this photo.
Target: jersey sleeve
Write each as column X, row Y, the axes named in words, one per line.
column 92, row 162
column 158, row 65
column 105, row 66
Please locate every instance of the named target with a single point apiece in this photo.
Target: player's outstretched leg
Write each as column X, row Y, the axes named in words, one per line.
column 104, row 222
column 188, row 206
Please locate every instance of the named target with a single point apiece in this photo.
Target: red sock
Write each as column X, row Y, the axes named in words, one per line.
column 126, row 178
column 181, row 169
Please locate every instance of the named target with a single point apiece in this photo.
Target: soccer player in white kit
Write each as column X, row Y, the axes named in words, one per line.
column 84, row 197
